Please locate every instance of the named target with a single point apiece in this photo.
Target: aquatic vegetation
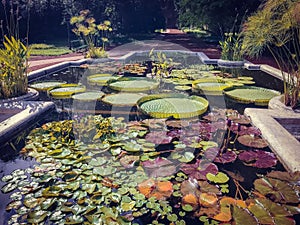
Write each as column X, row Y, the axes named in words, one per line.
column 251, row 94
column 133, row 84
column 172, row 105
column 66, row 90
column 122, row 99
column 103, row 170
column 45, row 85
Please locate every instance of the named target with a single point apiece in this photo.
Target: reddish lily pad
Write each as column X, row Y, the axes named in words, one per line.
column 199, row 169
column 128, row 161
column 252, row 141
column 244, row 130
column 158, row 137
column 226, row 157
column 258, row 158
column 158, row 189
column 159, row 167
column 214, row 155
column 189, row 186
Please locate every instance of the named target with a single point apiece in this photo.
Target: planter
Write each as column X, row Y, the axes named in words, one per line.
column 31, row 95
column 230, row 64
column 277, row 103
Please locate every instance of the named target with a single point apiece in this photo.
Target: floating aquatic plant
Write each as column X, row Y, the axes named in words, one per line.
column 122, row 99
column 66, row 90
column 133, row 84
column 45, row 85
column 172, row 105
column 251, row 94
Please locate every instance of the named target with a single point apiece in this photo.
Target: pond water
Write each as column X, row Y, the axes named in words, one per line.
column 124, row 167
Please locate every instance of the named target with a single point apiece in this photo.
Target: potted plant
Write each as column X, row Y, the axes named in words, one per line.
column 231, row 50
column 276, row 27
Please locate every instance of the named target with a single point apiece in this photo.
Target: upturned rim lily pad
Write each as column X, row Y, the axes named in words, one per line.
column 172, row 105
column 100, row 79
column 251, row 94
column 210, row 86
column 66, row 90
column 88, row 96
column 122, row 99
column 133, row 84
column 46, row 85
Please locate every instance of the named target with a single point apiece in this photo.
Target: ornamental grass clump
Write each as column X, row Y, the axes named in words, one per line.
column 13, row 68
column 14, row 54
column 276, row 27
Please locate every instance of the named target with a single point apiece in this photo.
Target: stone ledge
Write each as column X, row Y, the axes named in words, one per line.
column 27, row 114
column 281, row 141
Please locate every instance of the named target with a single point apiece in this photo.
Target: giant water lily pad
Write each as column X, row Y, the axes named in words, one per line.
column 172, row 105
column 100, row 79
column 88, row 96
column 251, row 94
column 66, row 90
column 133, row 84
column 45, row 85
column 210, row 86
column 122, row 99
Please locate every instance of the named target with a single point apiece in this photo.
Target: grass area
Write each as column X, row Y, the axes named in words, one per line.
column 48, row 50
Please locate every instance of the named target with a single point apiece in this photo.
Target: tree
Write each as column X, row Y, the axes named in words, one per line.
column 217, row 16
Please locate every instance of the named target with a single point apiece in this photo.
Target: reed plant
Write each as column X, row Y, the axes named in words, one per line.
column 276, row 27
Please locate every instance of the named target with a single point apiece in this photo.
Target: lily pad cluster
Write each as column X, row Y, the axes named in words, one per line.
column 104, row 171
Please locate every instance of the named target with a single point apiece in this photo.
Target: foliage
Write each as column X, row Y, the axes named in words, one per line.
column 214, row 16
column 276, row 27
column 161, row 64
column 90, row 32
column 231, row 47
column 45, row 49
column 13, row 70
column 103, row 171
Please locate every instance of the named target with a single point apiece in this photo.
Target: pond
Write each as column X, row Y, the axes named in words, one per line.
column 131, row 151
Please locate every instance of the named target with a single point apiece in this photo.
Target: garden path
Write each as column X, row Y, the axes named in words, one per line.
column 171, row 39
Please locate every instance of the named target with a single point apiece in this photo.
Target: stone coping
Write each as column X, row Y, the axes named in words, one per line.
column 280, row 140
column 28, row 112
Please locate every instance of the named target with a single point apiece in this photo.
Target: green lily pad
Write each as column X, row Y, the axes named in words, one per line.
column 46, row 85
column 88, row 96
column 133, row 84
column 172, row 105
column 9, row 187
column 210, row 86
column 100, row 79
column 122, row 99
column 66, row 90
column 220, row 177
column 251, row 94
column 36, row 217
